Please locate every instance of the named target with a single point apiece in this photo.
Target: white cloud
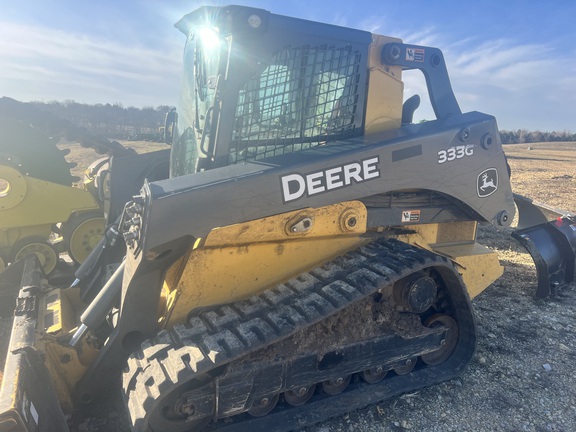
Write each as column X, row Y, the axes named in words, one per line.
column 339, row 20
column 40, row 63
column 528, row 86
column 524, row 85
column 373, row 24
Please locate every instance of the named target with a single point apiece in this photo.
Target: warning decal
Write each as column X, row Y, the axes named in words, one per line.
column 415, row 54
column 410, row 216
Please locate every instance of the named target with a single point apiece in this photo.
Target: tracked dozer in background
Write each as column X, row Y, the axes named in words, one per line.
column 312, row 252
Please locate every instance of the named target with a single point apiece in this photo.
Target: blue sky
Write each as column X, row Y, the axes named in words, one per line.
column 513, row 59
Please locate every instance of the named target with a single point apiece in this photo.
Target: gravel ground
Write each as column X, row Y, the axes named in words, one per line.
column 522, row 377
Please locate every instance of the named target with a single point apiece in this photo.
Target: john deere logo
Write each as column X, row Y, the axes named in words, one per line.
column 487, row 182
column 297, row 185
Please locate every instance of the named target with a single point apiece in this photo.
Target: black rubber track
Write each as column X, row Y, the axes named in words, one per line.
column 222, row 334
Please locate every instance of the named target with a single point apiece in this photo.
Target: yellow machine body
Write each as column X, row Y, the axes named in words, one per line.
column 29, row 208
column 249, row 258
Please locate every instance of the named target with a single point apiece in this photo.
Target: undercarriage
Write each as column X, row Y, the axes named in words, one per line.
column 336, row 332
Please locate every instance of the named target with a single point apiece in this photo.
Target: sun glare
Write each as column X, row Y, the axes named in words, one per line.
column 209, row 37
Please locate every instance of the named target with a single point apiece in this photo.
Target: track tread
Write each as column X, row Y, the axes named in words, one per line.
column 225, row 333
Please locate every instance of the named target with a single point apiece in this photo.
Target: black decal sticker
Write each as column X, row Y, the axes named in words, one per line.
column 406, row 153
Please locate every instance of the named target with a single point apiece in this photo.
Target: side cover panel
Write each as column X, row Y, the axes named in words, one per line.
column 430, row 156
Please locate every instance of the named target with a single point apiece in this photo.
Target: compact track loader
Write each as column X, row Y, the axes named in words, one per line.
column 312, row 251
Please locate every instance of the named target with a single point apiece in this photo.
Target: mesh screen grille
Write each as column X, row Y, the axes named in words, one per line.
column 305, row 97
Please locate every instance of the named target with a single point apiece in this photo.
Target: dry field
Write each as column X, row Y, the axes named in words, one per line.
column 83, row 157
column 545, row 172
column 522, row 377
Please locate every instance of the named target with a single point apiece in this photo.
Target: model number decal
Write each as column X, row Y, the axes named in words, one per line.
column 453, row 153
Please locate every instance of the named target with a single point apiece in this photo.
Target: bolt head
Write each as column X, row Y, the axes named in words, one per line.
column 187, row 408
column 254, row 21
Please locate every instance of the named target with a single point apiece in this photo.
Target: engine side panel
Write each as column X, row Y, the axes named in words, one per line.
column 433, row 156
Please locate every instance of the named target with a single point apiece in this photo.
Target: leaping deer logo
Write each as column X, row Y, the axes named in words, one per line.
column 486, row 183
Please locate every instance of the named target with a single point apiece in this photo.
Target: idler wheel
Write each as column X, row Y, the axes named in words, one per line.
column 82, row 232
column 445, row 351
column 299, row 395
column 176, row 411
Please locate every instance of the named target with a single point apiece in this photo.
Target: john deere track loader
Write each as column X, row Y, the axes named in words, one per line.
column 312, row 252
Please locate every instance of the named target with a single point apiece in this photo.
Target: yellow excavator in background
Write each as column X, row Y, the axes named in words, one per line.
column 311, row 251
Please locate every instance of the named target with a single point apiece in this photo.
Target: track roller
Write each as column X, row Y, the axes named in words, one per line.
column 299, row 396
column 336, row 386
column 263, row 406
column 373, row 375
column 406, row 368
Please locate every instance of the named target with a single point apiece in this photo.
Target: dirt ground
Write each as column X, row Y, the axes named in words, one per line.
column 83, row 157
column 522, row 377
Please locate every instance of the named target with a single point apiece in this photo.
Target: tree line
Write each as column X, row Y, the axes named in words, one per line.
column 524, row 136
column 111, row 121
column 117, row 122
